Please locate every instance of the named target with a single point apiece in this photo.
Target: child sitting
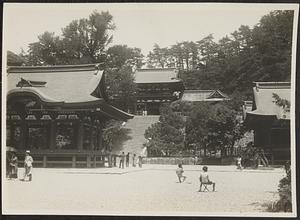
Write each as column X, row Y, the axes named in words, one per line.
column 204, row 179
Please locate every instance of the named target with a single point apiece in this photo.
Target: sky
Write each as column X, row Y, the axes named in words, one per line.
column 137, row 25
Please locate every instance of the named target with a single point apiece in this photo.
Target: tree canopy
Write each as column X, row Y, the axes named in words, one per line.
column 166, row 137
column 14, row 59
column 262, row 53
column 82, row 41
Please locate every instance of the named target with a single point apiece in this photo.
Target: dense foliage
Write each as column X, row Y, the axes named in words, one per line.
column 121, row 87
column 207, row 126
column 284, row 203
column 166, row 136
column 82, row 41
column 14, row 59
column 114, row 134
column 262, row 53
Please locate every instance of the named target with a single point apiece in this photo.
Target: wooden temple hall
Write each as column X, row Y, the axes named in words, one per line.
column 155, row 87
column 269, row 120
column 58, row 113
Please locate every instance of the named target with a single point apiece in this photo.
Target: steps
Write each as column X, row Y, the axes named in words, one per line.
column 136, row 129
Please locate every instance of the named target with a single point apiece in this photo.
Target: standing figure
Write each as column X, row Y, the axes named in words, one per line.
column 196, row 160
column 13, row 166
column 179, row 172
column 140, row 161
column 28, row 166
column 133, row 160
column 122, row 158
column 127, row 159
column 239, row 163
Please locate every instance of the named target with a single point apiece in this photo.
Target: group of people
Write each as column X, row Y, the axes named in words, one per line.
column 13, row 166
column 126, row 159
column 203, row 178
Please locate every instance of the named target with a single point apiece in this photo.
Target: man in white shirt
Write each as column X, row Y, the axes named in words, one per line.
column 204, row 179
column 28, row 166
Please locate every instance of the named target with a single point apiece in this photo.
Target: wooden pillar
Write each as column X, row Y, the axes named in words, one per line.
column 88, row 161
column 80, row 135
column 95, row 161
column 44, row 161
column 53, row 127
column 99, row 136
column 269, row 143
column 24, row 135
column 135, row 108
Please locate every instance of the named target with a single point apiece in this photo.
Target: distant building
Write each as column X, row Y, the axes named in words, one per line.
column 58, row 112
column 270, row 122
column 155, row 87
column 203, row 96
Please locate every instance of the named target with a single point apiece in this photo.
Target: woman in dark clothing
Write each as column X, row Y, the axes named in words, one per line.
column 127, row 160
column 13, row 166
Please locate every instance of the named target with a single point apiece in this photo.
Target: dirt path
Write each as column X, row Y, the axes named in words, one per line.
column 151, row 190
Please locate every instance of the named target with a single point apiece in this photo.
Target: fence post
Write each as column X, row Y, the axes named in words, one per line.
column 73, row 161
column 88, row 161
column 44, row 161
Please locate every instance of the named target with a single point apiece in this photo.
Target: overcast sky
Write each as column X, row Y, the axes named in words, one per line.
column 137, row 25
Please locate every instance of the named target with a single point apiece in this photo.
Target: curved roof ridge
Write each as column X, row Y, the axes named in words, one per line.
column 156, row 69
column 53, row 68
column 36, row 92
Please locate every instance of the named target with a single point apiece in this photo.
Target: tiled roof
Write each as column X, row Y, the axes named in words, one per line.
column 203, row 95
column 264, row 102
column 64, row 84
column 166, row 75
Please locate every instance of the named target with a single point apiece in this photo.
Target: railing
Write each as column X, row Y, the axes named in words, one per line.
column 86, row 159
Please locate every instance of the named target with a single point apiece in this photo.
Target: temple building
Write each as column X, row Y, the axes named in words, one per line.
column 155, row 87
column 58, row 113
column 269, row 118
column 204, row 96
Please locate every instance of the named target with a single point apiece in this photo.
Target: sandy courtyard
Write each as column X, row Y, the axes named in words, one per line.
column 153, row 189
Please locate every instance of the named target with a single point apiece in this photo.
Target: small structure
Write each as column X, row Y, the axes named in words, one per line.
column 204, row 96
column 58, row 112
column 156, row 86
column 270, row 120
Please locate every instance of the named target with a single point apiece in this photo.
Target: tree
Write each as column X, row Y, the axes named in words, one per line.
column 121, row 87
column 85, row 40
column 270, row 54
column 114, row 134
column 166, row 136
column 46, row 51
column 158, row 57
column 82, row 41
column 14, row 59
column 121, row 55
column 214, row 127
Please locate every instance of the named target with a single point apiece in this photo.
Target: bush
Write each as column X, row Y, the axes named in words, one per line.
column 284, row 204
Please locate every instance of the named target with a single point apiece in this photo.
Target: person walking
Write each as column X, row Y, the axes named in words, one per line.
column 179, row 172
column 127, row 159
column 239, row 162
column 195, row 160
column 133, row 160
column 122, row 158
column 140, row 161
column 28, row 166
